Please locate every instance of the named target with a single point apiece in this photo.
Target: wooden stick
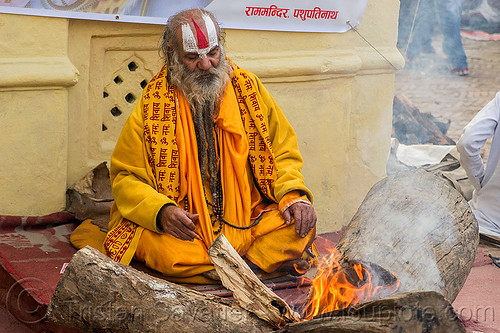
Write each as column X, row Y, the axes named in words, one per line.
column 247, row 289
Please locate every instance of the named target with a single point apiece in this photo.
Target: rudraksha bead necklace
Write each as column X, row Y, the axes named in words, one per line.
column 218, row 199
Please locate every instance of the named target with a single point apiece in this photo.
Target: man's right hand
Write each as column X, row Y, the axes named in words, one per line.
column 177, row 222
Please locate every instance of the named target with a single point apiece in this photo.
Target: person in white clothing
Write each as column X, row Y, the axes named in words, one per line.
column 485, row 202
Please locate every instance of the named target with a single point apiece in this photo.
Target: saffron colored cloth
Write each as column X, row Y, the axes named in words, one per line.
column 181, row 261
column 155, row 163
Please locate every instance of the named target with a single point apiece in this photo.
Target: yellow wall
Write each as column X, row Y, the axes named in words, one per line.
column 61, row 80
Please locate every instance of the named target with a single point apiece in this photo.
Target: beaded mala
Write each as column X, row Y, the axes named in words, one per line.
column 217, row 202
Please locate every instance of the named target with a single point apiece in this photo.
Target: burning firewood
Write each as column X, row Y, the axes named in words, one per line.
column 412, row 224
column 416, row 312
column 340, row 283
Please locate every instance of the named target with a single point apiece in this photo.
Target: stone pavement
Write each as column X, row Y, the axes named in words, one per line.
column 448, row 96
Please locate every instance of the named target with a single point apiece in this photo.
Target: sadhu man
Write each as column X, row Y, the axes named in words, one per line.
column 207, row 151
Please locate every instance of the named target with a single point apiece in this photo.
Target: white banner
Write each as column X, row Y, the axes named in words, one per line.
column 289, row 15
column 279, row 15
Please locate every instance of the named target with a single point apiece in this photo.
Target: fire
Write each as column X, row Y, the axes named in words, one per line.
column 339, row 285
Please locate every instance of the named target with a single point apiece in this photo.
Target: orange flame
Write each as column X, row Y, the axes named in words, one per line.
column 337, row 286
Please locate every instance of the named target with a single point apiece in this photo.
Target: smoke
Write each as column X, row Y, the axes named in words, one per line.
column 412, row 248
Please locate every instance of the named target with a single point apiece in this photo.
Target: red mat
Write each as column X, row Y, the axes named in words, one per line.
column 34, row 249
column 32, row 252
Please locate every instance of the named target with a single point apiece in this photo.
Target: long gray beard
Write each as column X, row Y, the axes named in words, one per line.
column 207, row 156
column 204, row 96
column 199, row 90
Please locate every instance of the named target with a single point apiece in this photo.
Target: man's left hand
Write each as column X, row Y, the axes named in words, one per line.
column 304, row 215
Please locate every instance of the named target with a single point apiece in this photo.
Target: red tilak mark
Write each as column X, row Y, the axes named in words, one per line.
column 202, row 40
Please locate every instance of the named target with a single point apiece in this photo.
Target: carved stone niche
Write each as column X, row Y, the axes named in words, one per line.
column 120, row 68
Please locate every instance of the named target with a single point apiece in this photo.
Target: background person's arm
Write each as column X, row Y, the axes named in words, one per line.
column 474, row 137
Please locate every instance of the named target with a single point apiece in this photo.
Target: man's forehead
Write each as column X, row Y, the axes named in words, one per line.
column 199, row 35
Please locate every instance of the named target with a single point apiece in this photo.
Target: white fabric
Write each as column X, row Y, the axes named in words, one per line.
column 420, row 155
column 485, row 202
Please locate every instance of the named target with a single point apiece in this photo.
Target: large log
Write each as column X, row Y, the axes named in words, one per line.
column 416, row 312
column 417, row 226
column 247, row 288
column 99, row 295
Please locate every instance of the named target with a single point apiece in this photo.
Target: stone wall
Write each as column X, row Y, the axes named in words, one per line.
column 67, row 87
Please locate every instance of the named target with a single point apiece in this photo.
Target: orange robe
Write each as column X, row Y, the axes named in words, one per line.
column 155, row 163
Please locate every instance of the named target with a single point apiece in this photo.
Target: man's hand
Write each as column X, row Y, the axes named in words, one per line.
column 177, row 222
column 304, row 215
